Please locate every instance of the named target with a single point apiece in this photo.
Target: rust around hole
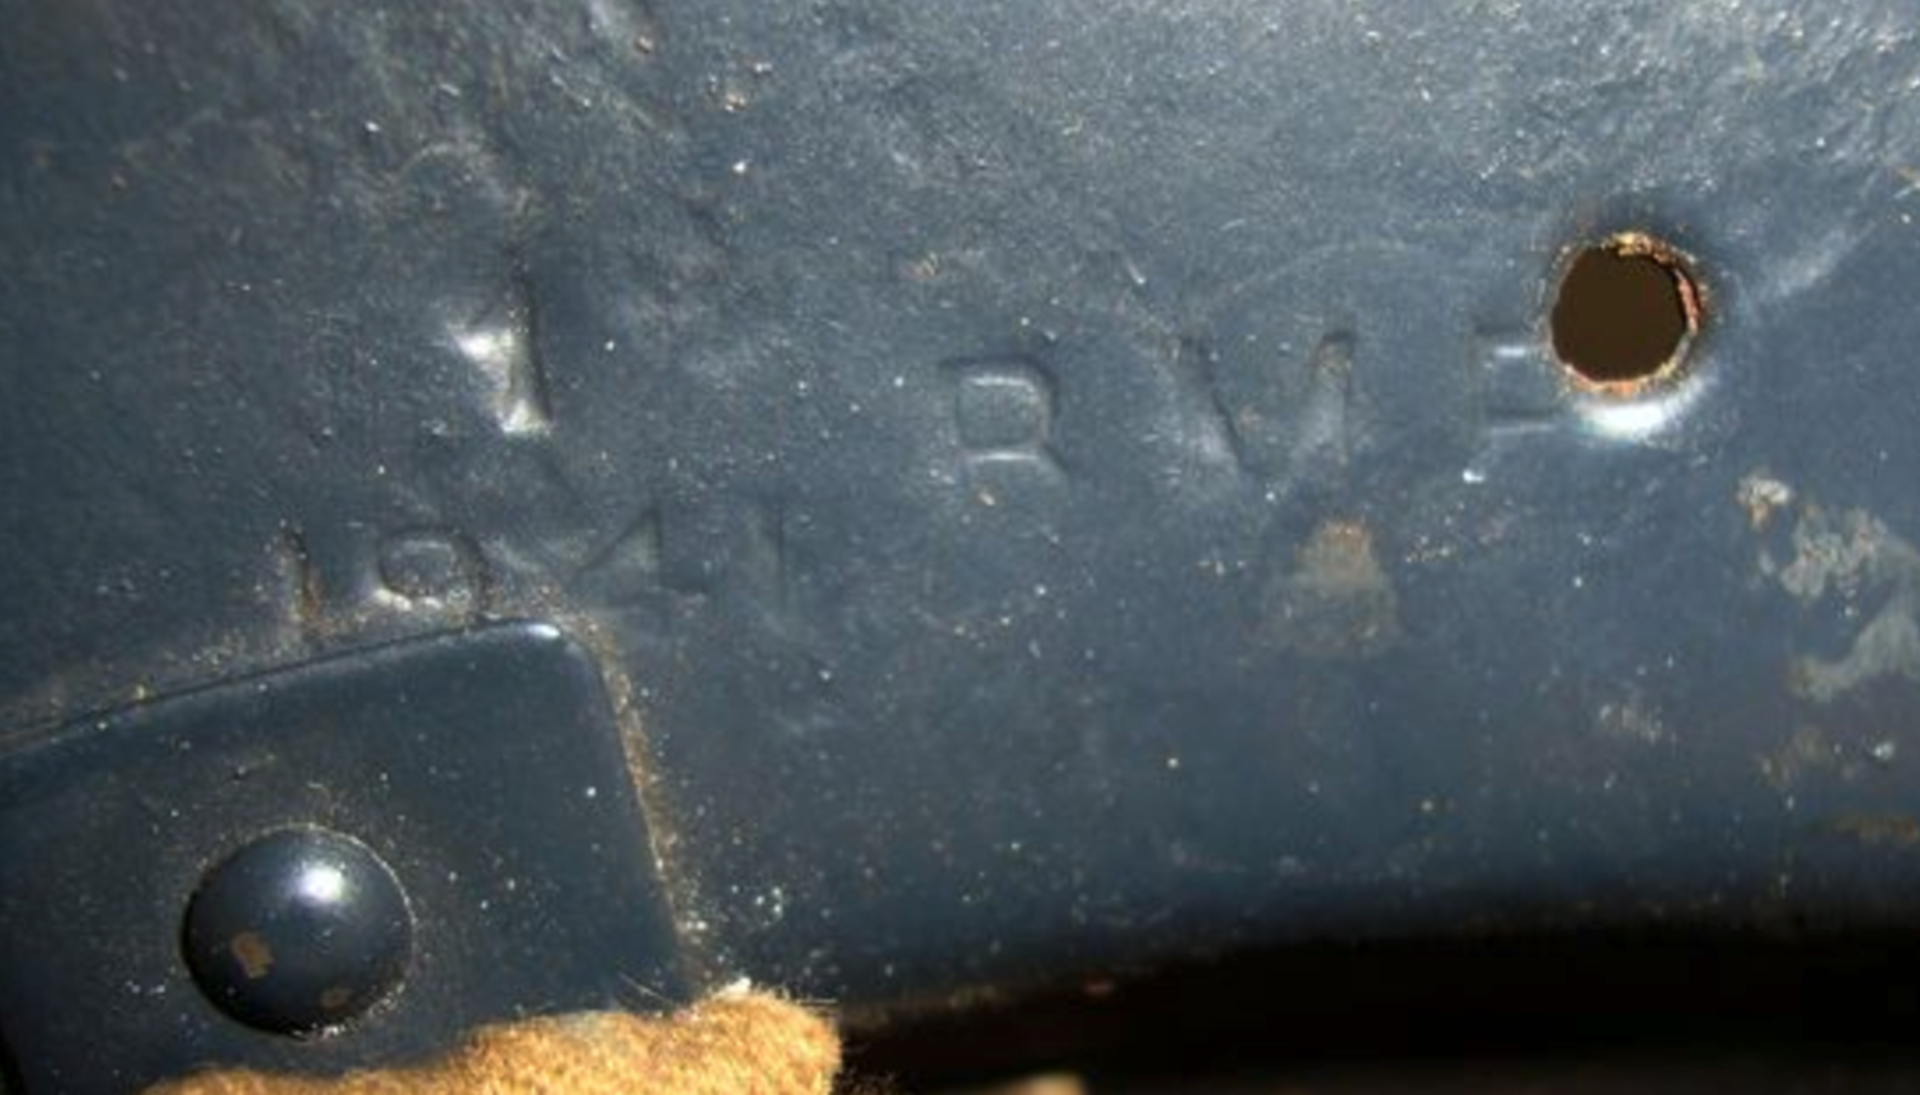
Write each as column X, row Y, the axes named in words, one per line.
column 1626, row 314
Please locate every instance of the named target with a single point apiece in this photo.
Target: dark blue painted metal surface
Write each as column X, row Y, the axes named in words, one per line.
column 1055, row 482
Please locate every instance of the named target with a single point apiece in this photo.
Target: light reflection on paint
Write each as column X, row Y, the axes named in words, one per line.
column 1639, row 419
column 322, row 884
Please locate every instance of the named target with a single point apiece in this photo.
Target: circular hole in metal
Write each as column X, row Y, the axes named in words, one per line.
column 1627, row 310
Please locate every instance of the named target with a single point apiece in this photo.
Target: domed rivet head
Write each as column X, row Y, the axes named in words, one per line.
column 298, row 932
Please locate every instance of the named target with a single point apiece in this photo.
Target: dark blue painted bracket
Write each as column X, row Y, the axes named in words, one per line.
column 485, row 767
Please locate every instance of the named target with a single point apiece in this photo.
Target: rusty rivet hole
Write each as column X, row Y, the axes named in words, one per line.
column 1627, row 312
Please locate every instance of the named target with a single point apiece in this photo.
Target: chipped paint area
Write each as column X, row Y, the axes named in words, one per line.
column 1808, row 751
column 1631, row 718
column 1853, row 558
column 1888, row 830
column 1888, row 646
column 1849, row 554
column 1814, row 753
column 1337, row 602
